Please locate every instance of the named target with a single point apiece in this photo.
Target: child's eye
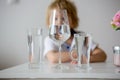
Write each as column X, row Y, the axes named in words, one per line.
column 62, row 19
column 56, row 18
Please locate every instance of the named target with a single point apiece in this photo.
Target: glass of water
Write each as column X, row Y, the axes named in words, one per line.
column 81, row 47
column 59, row 31
column 34, row 37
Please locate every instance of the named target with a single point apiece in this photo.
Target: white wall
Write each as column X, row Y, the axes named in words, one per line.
column 95, row 17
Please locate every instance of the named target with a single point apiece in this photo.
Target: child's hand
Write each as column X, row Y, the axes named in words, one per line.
column 74, row 62
column 83, row 60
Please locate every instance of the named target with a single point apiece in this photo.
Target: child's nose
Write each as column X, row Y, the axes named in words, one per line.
column 59, row 22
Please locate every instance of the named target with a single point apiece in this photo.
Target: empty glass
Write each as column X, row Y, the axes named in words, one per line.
column 34, row 37
column 81, row 46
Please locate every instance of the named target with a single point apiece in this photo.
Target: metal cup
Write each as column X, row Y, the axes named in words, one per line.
column 116, row 51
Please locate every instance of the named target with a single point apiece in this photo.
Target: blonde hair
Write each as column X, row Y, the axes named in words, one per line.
column 71, row 10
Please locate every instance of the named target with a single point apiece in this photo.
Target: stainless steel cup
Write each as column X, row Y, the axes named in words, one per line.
column 116, row 51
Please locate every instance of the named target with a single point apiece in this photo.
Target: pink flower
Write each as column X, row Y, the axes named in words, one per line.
column 117, row 16
column 116, row 21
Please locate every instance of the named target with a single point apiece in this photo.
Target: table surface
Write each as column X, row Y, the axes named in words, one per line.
column 105, row 70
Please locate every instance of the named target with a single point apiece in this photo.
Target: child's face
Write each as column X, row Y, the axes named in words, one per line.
column 59, row 18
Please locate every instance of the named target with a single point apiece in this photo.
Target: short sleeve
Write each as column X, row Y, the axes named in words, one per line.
column 93, row 45
column 49, row 44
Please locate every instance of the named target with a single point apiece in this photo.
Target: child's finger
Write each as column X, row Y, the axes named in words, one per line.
column 73, row 62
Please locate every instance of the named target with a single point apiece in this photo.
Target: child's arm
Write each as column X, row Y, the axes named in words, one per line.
column 53, row 56
column 98, row 55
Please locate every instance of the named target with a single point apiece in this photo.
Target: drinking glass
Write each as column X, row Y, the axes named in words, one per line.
column 34, row 36
column 81, row 46
column 59, row 31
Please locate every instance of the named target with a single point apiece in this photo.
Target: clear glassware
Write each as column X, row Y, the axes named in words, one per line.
column 34, row 36
column 59, row 31
column 81, row 45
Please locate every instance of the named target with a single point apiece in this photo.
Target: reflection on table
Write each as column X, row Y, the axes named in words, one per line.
column 99, row 70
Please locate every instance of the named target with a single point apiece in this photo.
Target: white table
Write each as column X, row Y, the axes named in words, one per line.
column 99, row 70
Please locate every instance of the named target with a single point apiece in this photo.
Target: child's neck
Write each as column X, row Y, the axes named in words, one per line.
column 69, row 41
